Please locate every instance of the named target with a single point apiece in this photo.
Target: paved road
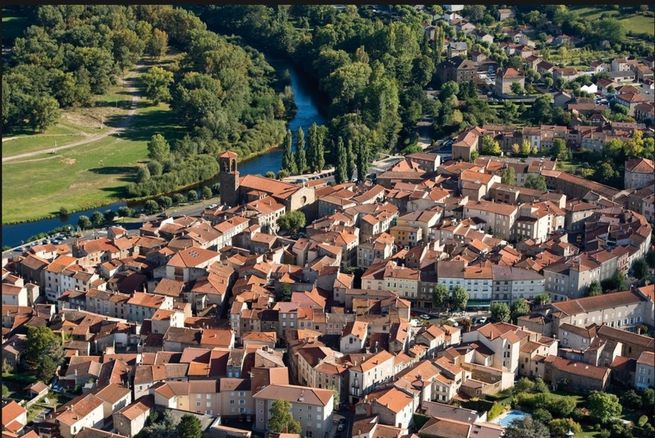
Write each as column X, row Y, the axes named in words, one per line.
column 130, row 88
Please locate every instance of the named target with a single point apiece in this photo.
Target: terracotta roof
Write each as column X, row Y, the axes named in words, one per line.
column 393, row 399
column 641, row 165
column 295, row 394
column 592, row 304
column 79, row 409
column 138, row 408
column 578, row 368
column 192, row 257
column 11, row 411
column 112, row 393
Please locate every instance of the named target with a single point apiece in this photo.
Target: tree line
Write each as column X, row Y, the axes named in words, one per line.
column 70, row 54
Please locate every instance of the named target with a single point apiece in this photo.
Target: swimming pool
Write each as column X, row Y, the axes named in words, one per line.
column 510, row 416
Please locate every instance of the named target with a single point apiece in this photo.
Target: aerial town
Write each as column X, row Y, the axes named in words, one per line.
column 488, row 277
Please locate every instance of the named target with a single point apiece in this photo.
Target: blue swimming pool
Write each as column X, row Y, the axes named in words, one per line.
column 512, row 415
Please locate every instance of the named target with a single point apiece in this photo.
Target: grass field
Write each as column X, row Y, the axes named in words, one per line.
column 81, row 177
column 84, row 176
column 632, row 22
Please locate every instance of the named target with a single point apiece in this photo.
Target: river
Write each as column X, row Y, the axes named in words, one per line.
column 306, row 98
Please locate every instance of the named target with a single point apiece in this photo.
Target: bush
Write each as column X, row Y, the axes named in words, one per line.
column 125, row 211
column 206, row 192
column 557, row 405
column 497, row 409
column 192, row 195
column 165, row 201
column 270, row 174
column 560, row 426
column 109, row 215
column 179, row 198
column 542, row 415
column 151, row 206
column 63, row 212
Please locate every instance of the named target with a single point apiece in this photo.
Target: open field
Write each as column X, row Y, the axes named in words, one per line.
column 636, row 23
column 87, row 175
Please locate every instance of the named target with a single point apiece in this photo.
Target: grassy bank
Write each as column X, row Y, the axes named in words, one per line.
column 88, row 175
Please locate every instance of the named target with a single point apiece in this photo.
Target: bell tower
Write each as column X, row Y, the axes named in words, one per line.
column 229, row 178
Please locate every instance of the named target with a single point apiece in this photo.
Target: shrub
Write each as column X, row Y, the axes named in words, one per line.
column 192, row 195
column 206, row 192
column 165, row 201
column 151, row 206
column 63, row 212
column 178, row 198
column 542, row 415
column 497, row 409
column 560, row 426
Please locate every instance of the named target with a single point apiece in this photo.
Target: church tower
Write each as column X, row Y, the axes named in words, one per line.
column 229, row 178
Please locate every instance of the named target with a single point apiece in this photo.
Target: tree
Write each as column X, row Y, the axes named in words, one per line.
column 283, row 293
column 97, row 219
column 44, row 112
column 142, row 174
column 192, row 195
column 559, row 427
column 5, row 392
column 281, row 420
column 189, row 427
column 640, row 269
column 109, row 216
column 526, row 427
column 158, row 43
column 157, row 84
column 519, row 308
column 151, row 206
column 301, row 157
column 206, row 192
column 542, row 299
column 84, row 222
column 179, row 198
column 490, row 146
column 341, row 171
column 594, row 289
column 604, row 406
column 158, row 148
column 44, row 352
column 537, row 182
column 459, row 298
column 526, row 147
column 440, row 296
column 124, row 211
column 516, row 149
column 499, row 312
column 509, row 176
column 292, row 222
column 288, row 160
column 516, row 88
column 155, row 168
column 165, row 202
column 63, row 212
column 559, row 149
column 350, row 161
column 363, row 160
column 439, row 39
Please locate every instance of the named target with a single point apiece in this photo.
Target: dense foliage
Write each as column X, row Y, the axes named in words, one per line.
column 370, row 72
column 71, row 53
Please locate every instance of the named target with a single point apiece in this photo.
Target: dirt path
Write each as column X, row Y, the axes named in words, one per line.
column 130, row 88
